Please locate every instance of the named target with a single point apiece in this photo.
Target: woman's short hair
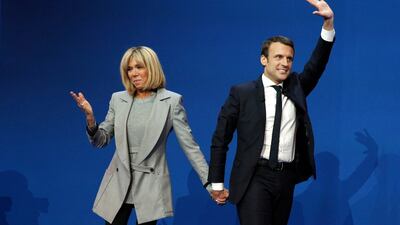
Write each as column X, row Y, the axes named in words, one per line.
column 145, row 55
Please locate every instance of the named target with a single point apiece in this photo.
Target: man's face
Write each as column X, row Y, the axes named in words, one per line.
column 278, row 65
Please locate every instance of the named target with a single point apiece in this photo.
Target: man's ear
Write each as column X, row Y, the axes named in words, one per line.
column 263, row 60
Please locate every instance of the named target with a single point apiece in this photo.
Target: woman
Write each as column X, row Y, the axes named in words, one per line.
column 140, row 118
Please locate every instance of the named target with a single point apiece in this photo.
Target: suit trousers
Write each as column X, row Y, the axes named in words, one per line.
column 123, row 214
column 269, row 196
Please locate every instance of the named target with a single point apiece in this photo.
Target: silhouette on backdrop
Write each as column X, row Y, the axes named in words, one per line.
column 315, row 205
column 382, row 204
column 5, row 206
column 17, row 201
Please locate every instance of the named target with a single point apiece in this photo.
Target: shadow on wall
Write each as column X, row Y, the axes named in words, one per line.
column 5, row 206
column 315, row 206
column 17, row 204
column 197, row 208
column 382, row 204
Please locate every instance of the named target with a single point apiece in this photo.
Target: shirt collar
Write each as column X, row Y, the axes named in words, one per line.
column 268, row 82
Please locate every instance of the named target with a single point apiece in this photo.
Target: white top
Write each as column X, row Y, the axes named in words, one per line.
column 288, row 123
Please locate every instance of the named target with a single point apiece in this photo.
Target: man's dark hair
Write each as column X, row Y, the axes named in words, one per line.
column 281, row 39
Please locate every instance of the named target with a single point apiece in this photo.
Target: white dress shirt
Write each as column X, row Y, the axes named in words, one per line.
column 288, row 123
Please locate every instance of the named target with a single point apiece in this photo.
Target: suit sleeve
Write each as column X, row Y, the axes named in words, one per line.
column 105, row 131
column 315, row 66
column 187, row 141
column 226, row 126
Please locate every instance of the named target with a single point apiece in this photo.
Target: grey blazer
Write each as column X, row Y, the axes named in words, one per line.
column 151, row 180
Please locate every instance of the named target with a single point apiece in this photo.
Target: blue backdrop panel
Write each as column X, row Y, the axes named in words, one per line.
column 49, row 174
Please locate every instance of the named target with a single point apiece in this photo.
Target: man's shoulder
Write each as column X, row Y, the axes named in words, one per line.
column 245, row 86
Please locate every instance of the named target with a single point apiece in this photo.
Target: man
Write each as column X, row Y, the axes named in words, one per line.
column 275, row 139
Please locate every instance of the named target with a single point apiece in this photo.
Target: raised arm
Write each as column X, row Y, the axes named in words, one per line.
column 99, row 135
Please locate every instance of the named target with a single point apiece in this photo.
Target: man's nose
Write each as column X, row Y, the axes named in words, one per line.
column 285, row 61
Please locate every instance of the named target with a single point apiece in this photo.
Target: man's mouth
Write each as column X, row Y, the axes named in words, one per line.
column 283, row 70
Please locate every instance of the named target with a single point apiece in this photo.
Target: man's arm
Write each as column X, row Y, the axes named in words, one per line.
column 226, row 126
column 315, row 66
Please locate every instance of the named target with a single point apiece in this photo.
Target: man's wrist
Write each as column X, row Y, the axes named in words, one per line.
column 328, row 24
column 217, row 186
column 327, row 35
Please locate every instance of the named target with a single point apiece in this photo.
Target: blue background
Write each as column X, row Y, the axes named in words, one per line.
column 49, row 174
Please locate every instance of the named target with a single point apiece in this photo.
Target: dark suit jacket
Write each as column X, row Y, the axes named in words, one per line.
column 244, row 111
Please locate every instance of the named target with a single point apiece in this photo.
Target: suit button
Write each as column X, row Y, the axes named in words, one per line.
column 117, row 169
column 151, row 170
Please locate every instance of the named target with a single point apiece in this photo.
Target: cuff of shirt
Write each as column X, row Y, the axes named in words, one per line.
column 217, row 186
column 92, row 131
column 328, row 35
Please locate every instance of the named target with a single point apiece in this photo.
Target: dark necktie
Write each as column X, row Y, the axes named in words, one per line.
column 273, row 155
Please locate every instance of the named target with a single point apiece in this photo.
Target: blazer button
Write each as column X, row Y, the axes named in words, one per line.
column 151, row 170
column 117, row 169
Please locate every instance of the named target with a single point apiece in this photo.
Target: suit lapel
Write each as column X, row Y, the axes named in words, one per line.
column 125, row 105
column 155, row 126
column 260, row 100
column 294, row 92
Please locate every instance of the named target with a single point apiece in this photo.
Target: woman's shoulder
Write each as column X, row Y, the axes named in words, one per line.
column 121, row 94
column 167, row 93
column 124, row 95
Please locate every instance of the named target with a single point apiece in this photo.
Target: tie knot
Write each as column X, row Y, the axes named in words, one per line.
column 277, row 88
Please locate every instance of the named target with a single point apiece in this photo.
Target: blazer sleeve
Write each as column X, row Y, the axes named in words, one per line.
column 187, row 141
column 105, row 130
column 315, row 66
column 226, row 126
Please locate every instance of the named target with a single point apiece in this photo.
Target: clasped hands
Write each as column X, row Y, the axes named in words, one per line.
column 220, row 197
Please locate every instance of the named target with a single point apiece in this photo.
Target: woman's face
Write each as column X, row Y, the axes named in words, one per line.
column 137, row 73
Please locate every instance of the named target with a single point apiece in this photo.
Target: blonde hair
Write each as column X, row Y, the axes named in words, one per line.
column 145, row 55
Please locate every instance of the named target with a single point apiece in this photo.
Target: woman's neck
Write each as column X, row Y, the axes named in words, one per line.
column 142, row 94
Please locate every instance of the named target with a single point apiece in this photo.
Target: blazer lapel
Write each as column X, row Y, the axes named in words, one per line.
column 294, row 92
column 260, row 99
column 155, row 125
column 125, row 105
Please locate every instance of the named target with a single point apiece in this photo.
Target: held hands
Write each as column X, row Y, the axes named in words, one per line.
column 220, row 197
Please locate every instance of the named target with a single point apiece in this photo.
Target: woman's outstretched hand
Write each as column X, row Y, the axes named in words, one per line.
column 85, row 106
